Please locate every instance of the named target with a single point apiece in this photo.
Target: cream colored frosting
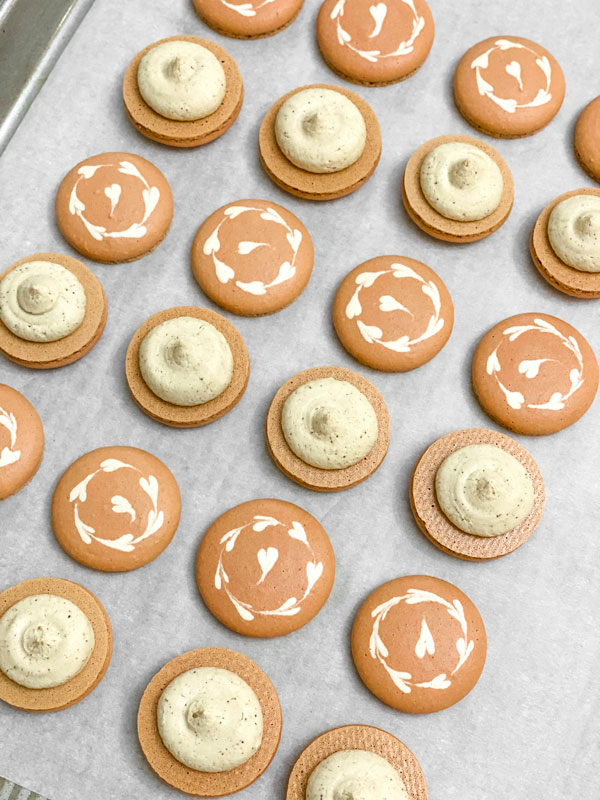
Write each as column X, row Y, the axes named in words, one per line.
column 186, row 361
column 355, row 775
column 320, row 130
column 41, row 301
column 329, row 423
column 45, row 640
column 574, row 231
column 461, row 181
column 484, row 490
column 181, row 80
column 210, row 719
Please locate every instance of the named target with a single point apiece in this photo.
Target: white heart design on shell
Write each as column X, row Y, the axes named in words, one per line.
column 514, row 69
column 378, row 13
column 425, row 645
column 113, row 192
column 313, row 573
column 389, row 303
column 531, row 368
column 266, row 560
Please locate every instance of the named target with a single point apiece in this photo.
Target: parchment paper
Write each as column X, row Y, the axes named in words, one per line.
column 529, row 729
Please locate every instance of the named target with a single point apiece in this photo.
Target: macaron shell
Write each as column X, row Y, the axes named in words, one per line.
column 21, row 441
column 326, row 480
column 49, row 355
column 359, row 39
column 177, row 133
column 587, row 139
column 419, row 644
column 357, row 737
column 434, row 223
column 310, row 185
column 534, row 374
column 268, row 18
column 133, row 510
column 111, row 193
column 499, row 82
column 58, row 697
column 563, row 277
column 270, row 551
column 437, row 527
column 209, row 784
column 403, row 304
column 252, row 257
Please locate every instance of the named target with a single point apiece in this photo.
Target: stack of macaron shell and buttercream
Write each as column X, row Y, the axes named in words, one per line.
column 320, row 142
column 183, row 91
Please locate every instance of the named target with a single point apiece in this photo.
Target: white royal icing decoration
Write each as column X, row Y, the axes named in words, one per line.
column 267, row 558
column 246, row 9
column 225, row 273
column 150, row 196
column 511, row 104
column 9, row 454
column 531, row 367
column 120, row 505
column 374, row 335
column 378, row 12
column 404, row 680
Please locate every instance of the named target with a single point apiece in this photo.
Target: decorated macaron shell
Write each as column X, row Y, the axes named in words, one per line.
column 251, row 19
column 457, row 188
column 209, row 722
column 477, row 494
column 252, row 257
column 52, row 311
column 419, row 644
column 183, row 91
column 534, row 374
column 265, row 568
column 328, row 428
column 187, row 366
column 320, row 142
column 116, row 508
column 375, row 43
column 587, row 139
column 393, row 313
column 366, row 761
column 55, row 644
column 565, row 243
column 508, row 87
column 21, row 441
column 114, row 207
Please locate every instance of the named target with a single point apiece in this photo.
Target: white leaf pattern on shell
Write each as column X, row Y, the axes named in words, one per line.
column 266, row 560
column 425, row 645
column 389, row 303
column 297, row 531
column 9, row 454
column 263, row 522
column 378, row 13
column 121, row 505
column 247, row 247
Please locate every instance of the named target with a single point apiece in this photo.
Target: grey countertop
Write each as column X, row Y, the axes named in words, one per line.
column 529, row 729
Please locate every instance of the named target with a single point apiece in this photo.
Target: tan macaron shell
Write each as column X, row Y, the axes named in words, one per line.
column 310, row 185
column 275, row 556
column 326, row 480
column 129, row 499
column 48, row 355
column 74, row 690
column 427, row 306
column 562, row 276
column 357, row 737
column 188, row 416
column 434, row 223
column 366, row 45
column 261, row 257
column 437, row 527
column 436, row 642
column 587, row 139
column 119, row 192
column 268, row 17
column 534, row 374
column 177, row 133
column 209, row 784
column 508, row 87
column 21, row 441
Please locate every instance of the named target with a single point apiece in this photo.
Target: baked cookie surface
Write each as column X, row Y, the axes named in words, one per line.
column 419, row 644
column 265, row 568
column 587, row 139
column 21, row 441
column 248, row 20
